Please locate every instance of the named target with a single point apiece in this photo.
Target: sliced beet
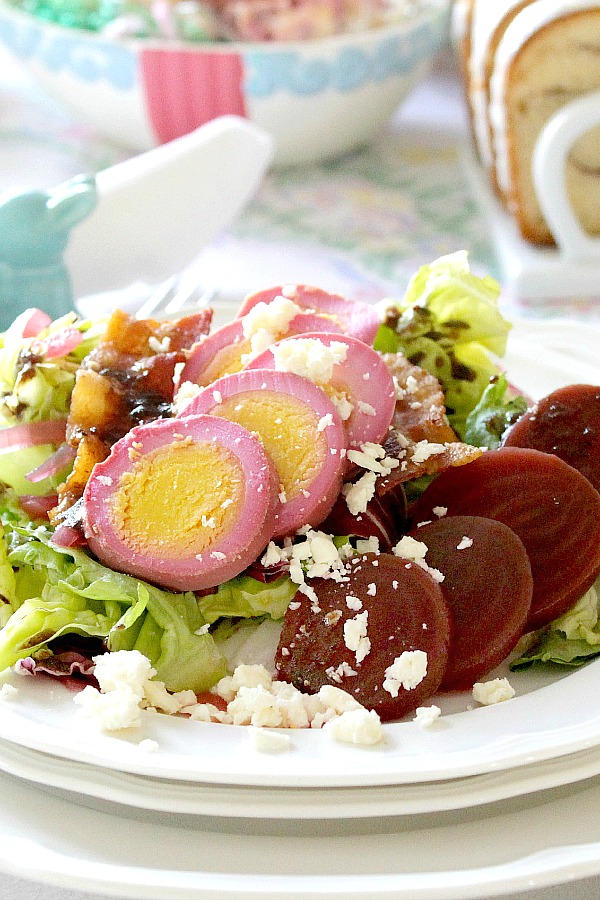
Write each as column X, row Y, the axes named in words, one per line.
column 549, row 504
column 488, row 587
column 567, row 424
column 405, row 612
column 384, row 518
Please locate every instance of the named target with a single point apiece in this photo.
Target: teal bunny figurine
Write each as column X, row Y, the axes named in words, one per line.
column 34, row 232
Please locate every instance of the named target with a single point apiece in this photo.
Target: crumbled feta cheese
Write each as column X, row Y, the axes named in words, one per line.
column 368, row 545
column 265, row 322
column 353, row 603
column 357, row 726
column 342, row 404
column 148, row 745
column 324, row 422
column 355, row 635
column 424, row 449
column 337, row 700
column 186, row 393
column 309, row 357
column 338, row 673
column 157, row 346
column 366, row 408
column 124, row 668
column 440, row 511
column 156, row 695
column 407, row 671
column 358, row 494
column 244, row 676
column 409, row 548
column 496, row 691
column 117, row 709
column 464, row 543
column 372, row 456
column 425, row 716
column 268, row 741
column 412, row 385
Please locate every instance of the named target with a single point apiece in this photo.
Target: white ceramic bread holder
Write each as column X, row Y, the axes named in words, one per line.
column 574, row 269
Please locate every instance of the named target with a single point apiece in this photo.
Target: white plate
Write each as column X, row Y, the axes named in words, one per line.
column 103, row 788
column 548, row 718
column 518, row 845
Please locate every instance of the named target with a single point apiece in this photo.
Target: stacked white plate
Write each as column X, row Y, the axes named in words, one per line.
column 486, row 801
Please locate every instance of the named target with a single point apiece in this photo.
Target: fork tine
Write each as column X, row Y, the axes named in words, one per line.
column 193, row 295
column 159, row 299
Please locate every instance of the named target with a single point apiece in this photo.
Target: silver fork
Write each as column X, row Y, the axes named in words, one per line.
column 175, row 296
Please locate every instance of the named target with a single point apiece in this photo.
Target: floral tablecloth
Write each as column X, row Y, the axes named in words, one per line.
column 361, row 225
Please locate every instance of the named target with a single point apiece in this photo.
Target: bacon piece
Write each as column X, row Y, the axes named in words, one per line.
column 420, row 437
column 414, row 461
column 420, row 403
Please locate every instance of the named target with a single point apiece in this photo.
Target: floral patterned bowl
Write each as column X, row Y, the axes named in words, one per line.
column 318, row 99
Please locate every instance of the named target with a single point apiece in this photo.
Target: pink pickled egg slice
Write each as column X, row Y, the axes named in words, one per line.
column 300, row 430
column 359, row 320
column 227, row 349
column 359, row 383
column 186, row 503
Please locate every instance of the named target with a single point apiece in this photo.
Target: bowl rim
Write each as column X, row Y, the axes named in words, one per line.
column 428, row 11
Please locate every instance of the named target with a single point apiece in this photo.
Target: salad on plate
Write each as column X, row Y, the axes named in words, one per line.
column 320, row 514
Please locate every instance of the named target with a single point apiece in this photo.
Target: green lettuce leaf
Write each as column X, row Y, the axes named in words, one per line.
column 571, row 640
column 63, row 590
column 449, row 324
column 493, row 415
column 34, row 389
column 245, row 597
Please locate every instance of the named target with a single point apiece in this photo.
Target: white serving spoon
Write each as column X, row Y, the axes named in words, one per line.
column 156, row 211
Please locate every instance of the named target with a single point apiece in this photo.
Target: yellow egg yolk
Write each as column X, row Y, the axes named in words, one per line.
column 226, row 361
column 178, row 499
column 287, row 429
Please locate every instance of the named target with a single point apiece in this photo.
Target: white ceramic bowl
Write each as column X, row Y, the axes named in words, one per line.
column 318, row 99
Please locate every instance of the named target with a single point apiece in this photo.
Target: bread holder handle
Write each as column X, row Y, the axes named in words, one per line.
column 549, row 176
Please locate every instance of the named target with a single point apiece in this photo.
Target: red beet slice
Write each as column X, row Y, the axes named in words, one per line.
column 363, row 378
column 300, row 429
column 488, row 587
column 549, row 504
column 384, row 518
column 359, row 320
column 402, row 609
column 187, row 503
column 566, row 423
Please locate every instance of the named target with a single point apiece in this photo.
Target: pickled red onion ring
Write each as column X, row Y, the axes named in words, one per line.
column 19, row 437
column 61, row 458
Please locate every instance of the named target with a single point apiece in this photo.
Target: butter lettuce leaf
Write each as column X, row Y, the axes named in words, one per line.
column 488, row 422
column 449, row 323
column 246, row 597
column 571, row 640
column 63, row 590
